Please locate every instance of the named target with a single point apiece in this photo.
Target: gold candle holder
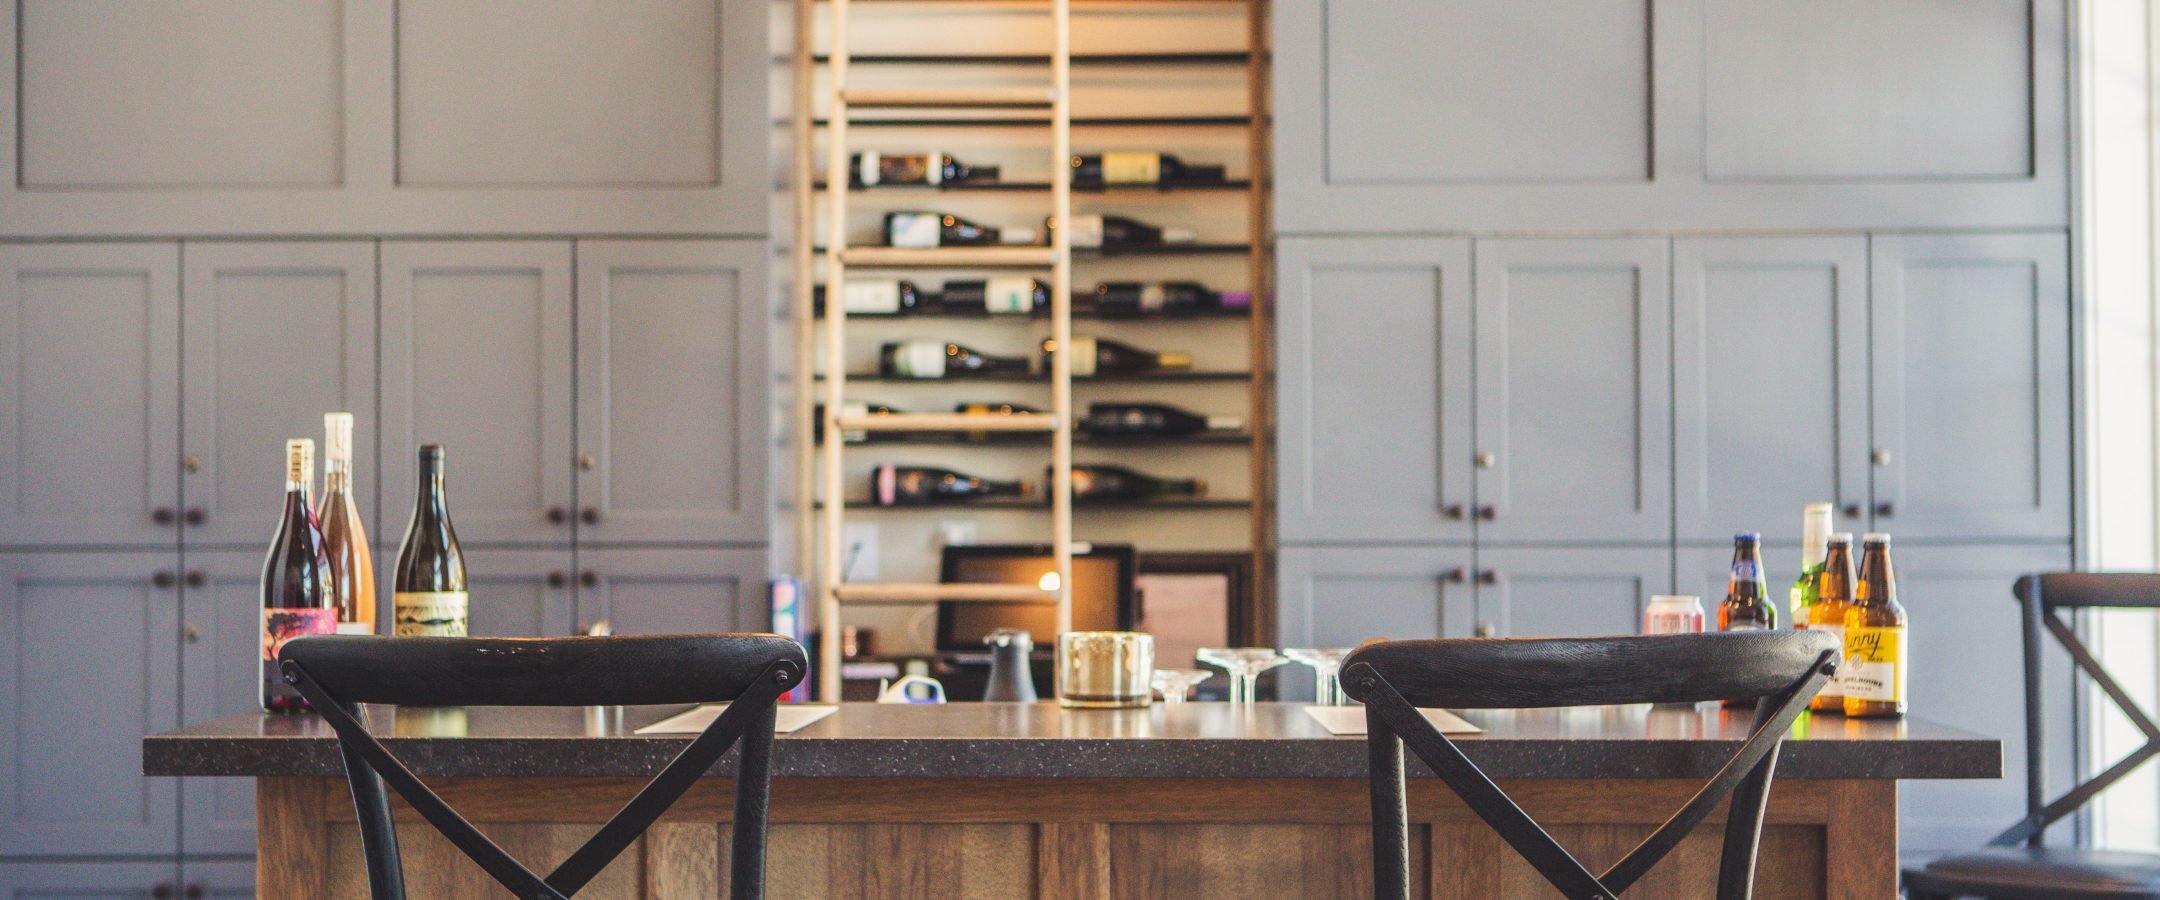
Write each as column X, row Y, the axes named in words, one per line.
column 1104, row 669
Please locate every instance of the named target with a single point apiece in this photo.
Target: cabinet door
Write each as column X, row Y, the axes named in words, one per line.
column 220, row 675
column 1574, row 438
column 87, row 880
column 1770, row 383
column 1568, row 591
column 1341, row 596
column 476, row 355
column 672, row 418
column 674, row 591
column 515, row 593
column 90, row 651
column 90, row 405
column 1972, row 386
column 1372, row 353
column 277, row 335
column 217, row 879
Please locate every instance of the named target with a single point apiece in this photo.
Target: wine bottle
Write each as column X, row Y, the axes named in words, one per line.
column 430, row 588
column 993, row 409
column 1139, row 167
column 296, row 579
column 939, row 359
column 1106, row 483
column 872, row 169
column 1091, row 231
column 1102, row 356
column 1151, row 420
column 895, row 485
column 352, row 567
column 1140, row 299
column 875, row 297
column 997, row 296
column 849, row 410
column 919, row 230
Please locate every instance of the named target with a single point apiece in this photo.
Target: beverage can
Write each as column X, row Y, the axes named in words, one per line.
column 1673, row 614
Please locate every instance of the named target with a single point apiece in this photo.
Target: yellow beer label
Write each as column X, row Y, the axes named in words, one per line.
column 1874, row 663
column 1131, row 168
column 431, row 613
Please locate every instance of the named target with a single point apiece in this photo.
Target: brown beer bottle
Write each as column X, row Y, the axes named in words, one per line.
column 1747, row 605
column 1833, row 598
column 1874, row 673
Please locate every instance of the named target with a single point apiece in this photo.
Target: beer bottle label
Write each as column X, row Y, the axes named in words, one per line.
column 1835, row 687
column 1874, row 663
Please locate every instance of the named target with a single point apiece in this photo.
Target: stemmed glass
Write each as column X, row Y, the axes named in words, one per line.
column 1175, row 685
column 1327, row 689
column 1244, row 665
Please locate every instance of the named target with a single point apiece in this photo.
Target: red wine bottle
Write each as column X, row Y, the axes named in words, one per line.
column 1137, row 167
column 939, row 359
column 1141, row 299
column 1151, row 420
column 871, row 169
column 430, row 588
column 893, row 485
column 1102, row 356
column 919, row 230
column 296, row 581
column 1111, row 484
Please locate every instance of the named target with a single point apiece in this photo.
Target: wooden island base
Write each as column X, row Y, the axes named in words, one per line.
column 1060, row 838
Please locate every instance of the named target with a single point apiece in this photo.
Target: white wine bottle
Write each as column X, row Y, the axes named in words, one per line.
column 430, row 590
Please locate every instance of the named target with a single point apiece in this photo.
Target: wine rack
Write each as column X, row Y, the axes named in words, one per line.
column 946, row 94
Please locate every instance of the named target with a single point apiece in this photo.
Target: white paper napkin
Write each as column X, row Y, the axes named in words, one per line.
column 792, row 716
column 1340, row 720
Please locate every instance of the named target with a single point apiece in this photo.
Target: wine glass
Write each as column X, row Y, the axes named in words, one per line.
column 1175, row 685
column 1244, row 665
column 1327, row 690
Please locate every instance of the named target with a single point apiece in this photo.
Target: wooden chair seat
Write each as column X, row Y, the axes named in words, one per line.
column 2039, row 873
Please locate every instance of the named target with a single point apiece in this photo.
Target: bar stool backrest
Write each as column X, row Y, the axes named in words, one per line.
column 338, row 673
column 1780, row 670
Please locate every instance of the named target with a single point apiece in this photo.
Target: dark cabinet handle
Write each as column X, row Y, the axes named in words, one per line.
column 1457, row 575
column 161, row 891
column 162, row 580
column 557, row 579
column 164, row 515
column 590, row 515
column 558, row 515
column 589, row 579
column 1488, row 576
column 196, row 578
column 1852, row 510
column 196, row 515
column 1488, row 512
column 1885, row 510
column 194, row 892
column 1453, row 511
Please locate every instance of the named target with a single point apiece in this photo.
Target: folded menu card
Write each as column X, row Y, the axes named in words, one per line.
column 1351, row 720
column 792, row 716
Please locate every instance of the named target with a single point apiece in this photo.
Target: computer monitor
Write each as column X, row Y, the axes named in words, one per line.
column 1102, row 592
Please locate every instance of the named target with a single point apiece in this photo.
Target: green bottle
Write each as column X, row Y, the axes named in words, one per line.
column 1814, row 545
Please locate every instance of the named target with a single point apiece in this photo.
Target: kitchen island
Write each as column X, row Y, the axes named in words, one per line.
column 1027, row 800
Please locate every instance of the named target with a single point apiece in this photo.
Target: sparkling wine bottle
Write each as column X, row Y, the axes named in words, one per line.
column 1102, row 356
column 1151, row 420
column 1106, row 483
column 872, row 169
column 1139, row 167
column 940, row 359
column 921, row 230
column 296, row 580
column 875, row 297
column 1090, row 231
column 850, row 410
column 430, row 590
column 989, row 410
column 997, row 296
column 896, row 485
column 1140, row 299
column 352, row 567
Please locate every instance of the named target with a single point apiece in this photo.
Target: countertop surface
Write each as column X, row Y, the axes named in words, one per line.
column 1012, row 740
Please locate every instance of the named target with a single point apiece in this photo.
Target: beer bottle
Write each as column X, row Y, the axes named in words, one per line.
column 1873, row 676
column 1833, row 598
column 1747, row 605
column 1814, row 543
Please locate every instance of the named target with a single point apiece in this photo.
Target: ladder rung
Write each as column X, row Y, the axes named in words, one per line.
column 953, row 98
column 923, row 593
column 1030, row 422
column 948, row 257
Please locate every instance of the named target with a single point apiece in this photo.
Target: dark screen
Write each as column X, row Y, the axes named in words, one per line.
column 1094, row 599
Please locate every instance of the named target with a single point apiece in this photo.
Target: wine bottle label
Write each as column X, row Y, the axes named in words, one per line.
column 1131, row 168
column 1009, row 295
column 866, row 168
column 1087, row 231
column 1083, row 356
column 299, row 461
column 431, row 613
column 885, row 485
column 1152, row 297
column 920, row 359
column 1745, row 626
column 872, row 297
column 1874, row 663
column 1173, row 360
column 279, row 626
column 355, row 628
column 913, row 230
column 1835, row 687
column 1225, row 423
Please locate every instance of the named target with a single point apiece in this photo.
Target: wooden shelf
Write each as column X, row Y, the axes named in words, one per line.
column 1225, row 57
column 948, row 98
column 992, row 187
column 1080, row 439
column 1163, row 377
column 1033, row 122
column 1080, row 311
column 1029, row 257
column 1079, row 506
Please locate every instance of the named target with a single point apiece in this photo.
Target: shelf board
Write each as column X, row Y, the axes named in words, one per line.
column 941, row 312
column 948, row 98
column 964, row 187
column 1079, row 506
column 878, row 257
column 1037, row 122
column 1082, row 439
column 1147, row 377
column 1222, row 57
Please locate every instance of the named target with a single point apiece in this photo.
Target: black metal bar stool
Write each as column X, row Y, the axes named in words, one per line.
column 1781, row 670
column 749, row 672
column 2017, row 864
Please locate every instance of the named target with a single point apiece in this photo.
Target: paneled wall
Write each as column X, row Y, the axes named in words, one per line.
column 534, row 231
column 1570, row 293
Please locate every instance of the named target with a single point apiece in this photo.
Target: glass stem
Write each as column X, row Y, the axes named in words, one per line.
column 1328, row 692
column 1241, row 686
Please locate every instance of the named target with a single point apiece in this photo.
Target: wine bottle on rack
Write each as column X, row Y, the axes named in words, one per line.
column 873, row 169
column 1111, row 484
column 1101, row 356
column 896, row 485
column 1093, row 231
column 1141, row 299
column 430, row 596
column 296, row 579
column 849, row 410
column 1151, row 420
column 1139, row 167
column 922, row 230
column 352, row 567
column 996, row 296
column 990, row 410
column 875, row 297
column 940, row 359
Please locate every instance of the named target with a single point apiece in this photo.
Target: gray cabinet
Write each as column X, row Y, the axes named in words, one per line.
column 1568, row 591
column 1573, row 390
column 91, row 650
column 670, row 336
column 515, row 593
column 672, row 591
column 89, row 409
column 221, row 879
column 1374, row 390
column 221, row 675
column 1972, row 385
column 276, row 335
column 1770, row 383
column 477, row 356
column 107, row 880
column 1340, row 596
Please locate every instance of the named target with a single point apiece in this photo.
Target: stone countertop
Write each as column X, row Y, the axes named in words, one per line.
column 1014, row 740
